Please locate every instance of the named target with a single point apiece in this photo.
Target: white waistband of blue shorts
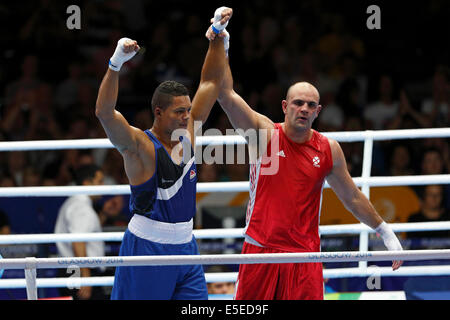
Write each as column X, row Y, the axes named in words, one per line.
column 161, row 232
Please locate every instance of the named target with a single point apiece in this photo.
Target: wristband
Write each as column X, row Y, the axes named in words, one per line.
column 389, row 238
column 113, row 67
column 216, row 31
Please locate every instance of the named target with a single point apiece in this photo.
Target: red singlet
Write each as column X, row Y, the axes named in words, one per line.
column 283, row 216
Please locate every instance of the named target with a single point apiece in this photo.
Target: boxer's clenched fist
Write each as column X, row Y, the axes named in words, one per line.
column 125, row 50
column 219, row 22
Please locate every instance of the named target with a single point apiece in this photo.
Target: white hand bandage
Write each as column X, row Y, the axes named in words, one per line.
column 120, row 57
column 226, row 41
column 216, row 26
column 389, row 238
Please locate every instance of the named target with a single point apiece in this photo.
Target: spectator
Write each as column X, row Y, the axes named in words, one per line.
column 21, row 98
column 77, row 215
column 442, row 145
column 400, row 161
column 7, row 181
column 269, row 100
column 42, row 122
column 349, row 96
column 332, row 116
column 27, row 81
column 5, row 226
column 110, row 210
column 31, row 177
column 207, row 172
column 432, row 209
column 113, row 168
column 79, row 128
column 432, row 162
column 43, row 26
column 437, row 107
column 16, row 121
column 220, row 287
column 238, row 169
column 17, row 162
column 379, row 113
column 406, row 112
column 67, row 91
column 353, row 151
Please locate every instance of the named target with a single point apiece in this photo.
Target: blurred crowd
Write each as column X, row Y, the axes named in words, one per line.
column 386, row 79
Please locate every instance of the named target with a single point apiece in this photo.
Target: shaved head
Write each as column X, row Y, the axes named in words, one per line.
column 303, row 87
column 301, row 107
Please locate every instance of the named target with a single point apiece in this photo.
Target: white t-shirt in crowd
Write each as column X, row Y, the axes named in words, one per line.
column 77, row 215
column 380, row 114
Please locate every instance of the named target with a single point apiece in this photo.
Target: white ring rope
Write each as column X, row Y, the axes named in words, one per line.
column 381, row 135
column 302, row 257
column 350, row 136
column 31, row 264
column 214, row 233
column 239, row 186
column 64, row 282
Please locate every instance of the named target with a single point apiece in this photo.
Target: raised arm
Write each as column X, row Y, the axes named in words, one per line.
column 122, row 135
column 210, row 82
column 131, row 142
column 240, row 114
column 356, row 202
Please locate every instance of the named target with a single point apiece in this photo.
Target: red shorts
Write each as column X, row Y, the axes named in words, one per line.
column 284, row 281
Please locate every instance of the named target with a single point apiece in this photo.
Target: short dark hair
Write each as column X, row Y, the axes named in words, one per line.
column 164, row 93
column 85, row 172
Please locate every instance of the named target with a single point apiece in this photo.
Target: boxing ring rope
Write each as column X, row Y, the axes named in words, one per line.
column 230, row 233
column 63, row 282
column 234, row 186
column 349, row 136
column 31, row 264
column 212, row 259
column 219, row 234
column 365, row 182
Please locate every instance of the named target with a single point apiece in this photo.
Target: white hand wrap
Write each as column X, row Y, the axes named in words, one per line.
column 216, row 26
column 120, row 57
column 226, row 41
column 389, row 238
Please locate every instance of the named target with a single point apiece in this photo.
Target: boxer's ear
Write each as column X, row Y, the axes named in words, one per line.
column 158, row 112
column 284, row 106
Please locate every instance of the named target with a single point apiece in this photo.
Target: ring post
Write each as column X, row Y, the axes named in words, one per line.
column 366, row 171
column 30, row 278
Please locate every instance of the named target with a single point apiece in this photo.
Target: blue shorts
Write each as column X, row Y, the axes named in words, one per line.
column 158, row 282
